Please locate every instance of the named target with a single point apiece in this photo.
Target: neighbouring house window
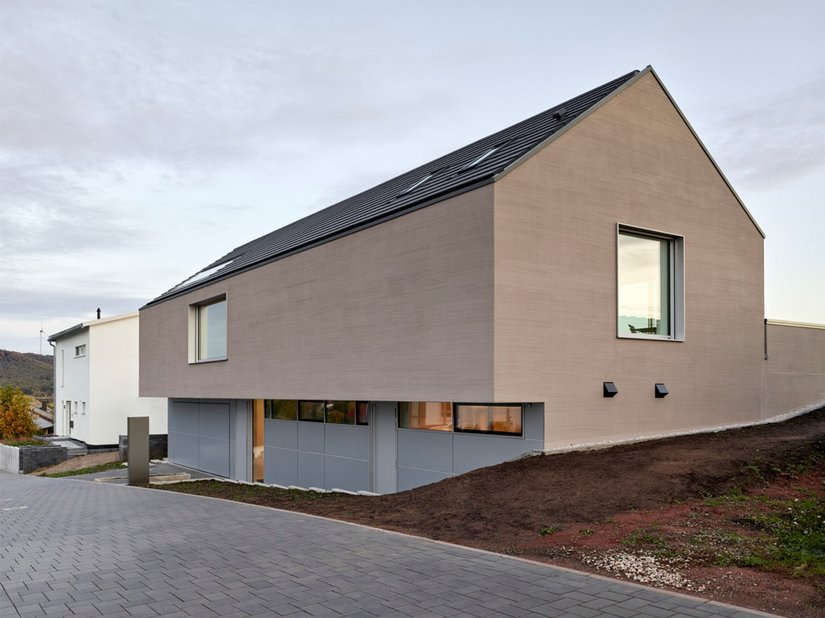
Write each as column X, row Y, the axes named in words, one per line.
column 650, row 278
column 281, row 409
column 83, row 409
column 435, row 415
column 80, row 350
column 311, row 411
column 210, row 331
column 481, row 418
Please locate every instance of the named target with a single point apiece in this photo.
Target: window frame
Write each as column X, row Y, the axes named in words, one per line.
column 194, row 330
column 509, row 434
column 676, row 277
column 80, row 350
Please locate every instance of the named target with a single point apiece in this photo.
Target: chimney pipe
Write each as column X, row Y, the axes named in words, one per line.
column 98, row 313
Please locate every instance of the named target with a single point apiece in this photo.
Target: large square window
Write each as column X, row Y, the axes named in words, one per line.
column 650, row 282
column 210, row 331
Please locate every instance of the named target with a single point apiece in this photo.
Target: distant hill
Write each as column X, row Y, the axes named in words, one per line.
column 33, row 373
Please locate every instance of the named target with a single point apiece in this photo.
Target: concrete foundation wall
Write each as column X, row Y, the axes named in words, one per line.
column 795, row 368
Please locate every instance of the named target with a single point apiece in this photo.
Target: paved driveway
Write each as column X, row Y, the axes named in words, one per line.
column 69, row 547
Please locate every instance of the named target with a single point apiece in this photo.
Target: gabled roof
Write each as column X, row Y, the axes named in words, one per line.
column 467, row 168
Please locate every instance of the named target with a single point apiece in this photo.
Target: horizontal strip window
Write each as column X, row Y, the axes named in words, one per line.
column 281, row 409
column 493, row 419
column 333, row 412
column 432, row 415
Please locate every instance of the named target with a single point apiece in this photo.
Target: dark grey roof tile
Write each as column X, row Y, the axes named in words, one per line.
column 449, row 174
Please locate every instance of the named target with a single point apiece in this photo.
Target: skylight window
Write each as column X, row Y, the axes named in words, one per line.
column 202, row 275
column 480, row 158
column 416, row 184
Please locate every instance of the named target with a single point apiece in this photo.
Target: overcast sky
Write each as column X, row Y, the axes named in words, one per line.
column 141, row 140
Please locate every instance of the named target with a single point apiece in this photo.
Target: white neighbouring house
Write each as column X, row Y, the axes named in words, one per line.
column 96, row 381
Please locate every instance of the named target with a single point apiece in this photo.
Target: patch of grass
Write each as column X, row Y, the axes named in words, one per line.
column 587, row 532
column 783, row 535
column 800, row 536
column 646, row 538
column 735, row 494
column 548, row 530
column 112, row 465
column 26, row 442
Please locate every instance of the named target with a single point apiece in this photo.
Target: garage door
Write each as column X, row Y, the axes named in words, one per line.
column 199, row 436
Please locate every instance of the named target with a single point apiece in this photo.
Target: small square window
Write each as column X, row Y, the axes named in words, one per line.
column 80, row 350
column 650, row 284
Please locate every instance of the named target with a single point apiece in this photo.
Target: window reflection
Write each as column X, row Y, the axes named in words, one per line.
column 283, row 409
column 311, row 411
column 488, row 419
column 437, row 415
column 340, row 412
column 644, row 284
column 211, row 324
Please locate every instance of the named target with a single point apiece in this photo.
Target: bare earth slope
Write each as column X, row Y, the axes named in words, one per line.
column 576, row 508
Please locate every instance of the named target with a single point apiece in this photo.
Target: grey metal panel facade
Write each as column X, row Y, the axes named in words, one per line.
column 281, row 434
column 201, row 436
column 429, row 456
column 310, row 437
column 280, row 466
column 183, row 433
column 350, row 441
column 345, row 473
column 426, row 450
column 312, row 454
column 410, row 478
column 310, row 469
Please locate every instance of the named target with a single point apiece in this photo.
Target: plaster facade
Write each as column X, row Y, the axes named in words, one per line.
column 101, row 382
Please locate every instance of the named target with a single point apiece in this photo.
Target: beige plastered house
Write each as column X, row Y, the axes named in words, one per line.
column 587, row 276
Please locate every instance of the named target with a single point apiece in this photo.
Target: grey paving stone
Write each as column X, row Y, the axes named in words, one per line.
column 180, row 555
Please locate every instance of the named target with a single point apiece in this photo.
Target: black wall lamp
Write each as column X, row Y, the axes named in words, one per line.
column 661, row 391
column 609, row 389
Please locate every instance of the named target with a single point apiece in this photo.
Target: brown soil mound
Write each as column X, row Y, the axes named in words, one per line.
column 567, row 508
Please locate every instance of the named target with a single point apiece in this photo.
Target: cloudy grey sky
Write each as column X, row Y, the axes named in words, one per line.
column 142, row 139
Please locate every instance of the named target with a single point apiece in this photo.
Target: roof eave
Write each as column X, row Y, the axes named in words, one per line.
column 69, row 331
